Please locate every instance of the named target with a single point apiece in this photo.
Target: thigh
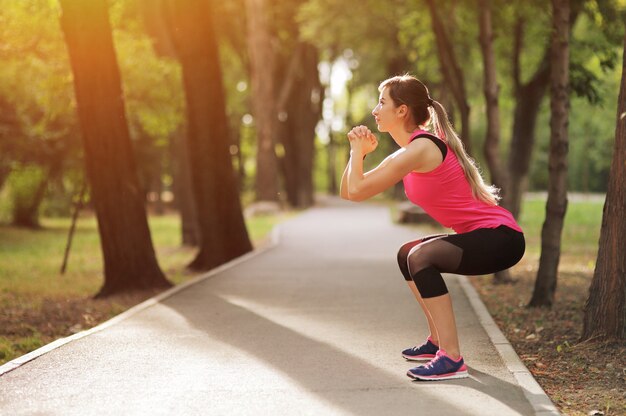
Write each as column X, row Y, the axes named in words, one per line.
column 488, row 250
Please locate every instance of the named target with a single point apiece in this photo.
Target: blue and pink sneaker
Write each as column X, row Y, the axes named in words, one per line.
column 442, row 367
column 424, row 352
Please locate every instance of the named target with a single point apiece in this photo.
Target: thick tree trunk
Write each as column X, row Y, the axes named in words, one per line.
column 223, row 231
column 155, row 20
column 545, row 283
column 452, row 73
column 302, row 111
column 605, row 309
column 129, row 258
column 262, row 63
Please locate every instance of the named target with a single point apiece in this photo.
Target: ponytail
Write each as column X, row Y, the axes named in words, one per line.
column 443, row 129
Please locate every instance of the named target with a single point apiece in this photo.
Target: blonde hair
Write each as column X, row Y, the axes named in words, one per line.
column 408, row 90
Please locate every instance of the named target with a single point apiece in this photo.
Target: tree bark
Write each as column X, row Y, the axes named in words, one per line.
column 129, row 258
column 302, row 110
column 182, row 187
column 262, row 65
column 155, row 20
column 26, row 210
column 528, row 99
column 491, row 89
column 223, row 231
column 491, row 149
column 556, row 206
column 452, row 73
column 5, row 171
column 605, row 309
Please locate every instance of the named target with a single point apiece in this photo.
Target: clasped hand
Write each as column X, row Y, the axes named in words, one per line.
column 362, row 140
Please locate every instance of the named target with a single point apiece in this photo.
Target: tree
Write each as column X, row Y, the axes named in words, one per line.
column 528, row 98
column 605, row 309
column 491, row 90
column 262, row 65
column 452, row 73
column 155, row 23
column 556, row 206
column 129, row 258
column 300, row 111
column 223, row 230
column 299, row 102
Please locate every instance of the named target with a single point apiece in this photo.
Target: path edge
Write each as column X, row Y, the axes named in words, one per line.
column 534, row 393
column 21, row 360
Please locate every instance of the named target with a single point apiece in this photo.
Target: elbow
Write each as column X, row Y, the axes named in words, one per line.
column 356, row 195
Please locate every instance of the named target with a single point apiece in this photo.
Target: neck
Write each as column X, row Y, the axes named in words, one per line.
column 402, row 136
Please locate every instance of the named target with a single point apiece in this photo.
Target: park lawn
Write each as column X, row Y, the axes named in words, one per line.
column 39, row 305
column 578, row 377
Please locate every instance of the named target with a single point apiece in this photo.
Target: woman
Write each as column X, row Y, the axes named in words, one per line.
column 441, row 178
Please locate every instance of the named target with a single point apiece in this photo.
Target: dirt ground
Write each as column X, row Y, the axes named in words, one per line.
column 26, row 325
column 581, row 378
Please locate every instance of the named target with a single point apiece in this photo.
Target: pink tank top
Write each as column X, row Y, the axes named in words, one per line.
column 445, row 194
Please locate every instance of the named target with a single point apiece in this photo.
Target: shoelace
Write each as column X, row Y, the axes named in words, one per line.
column 432, row 362
column 419, row 347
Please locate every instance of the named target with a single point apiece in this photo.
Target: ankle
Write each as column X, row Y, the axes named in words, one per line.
column 454, row 354
column 433, row 340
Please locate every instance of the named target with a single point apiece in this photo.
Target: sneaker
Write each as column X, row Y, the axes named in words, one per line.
column 442, row 367
column 424, row 352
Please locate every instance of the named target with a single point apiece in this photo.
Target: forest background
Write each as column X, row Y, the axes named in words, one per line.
column 290, row 78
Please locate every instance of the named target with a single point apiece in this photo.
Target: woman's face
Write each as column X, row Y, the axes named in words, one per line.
column 386, row 112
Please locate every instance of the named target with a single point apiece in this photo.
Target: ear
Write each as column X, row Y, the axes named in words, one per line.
column 402, row 110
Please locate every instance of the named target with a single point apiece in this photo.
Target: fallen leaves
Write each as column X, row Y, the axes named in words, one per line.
column 580, row 378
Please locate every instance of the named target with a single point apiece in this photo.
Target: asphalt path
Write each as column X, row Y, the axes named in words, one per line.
column 312, row 325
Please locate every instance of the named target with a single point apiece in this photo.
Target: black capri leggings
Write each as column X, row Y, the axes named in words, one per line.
column 482, row 251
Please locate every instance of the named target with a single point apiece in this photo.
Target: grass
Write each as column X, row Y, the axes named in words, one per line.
column 38, row 304
column 581, row 229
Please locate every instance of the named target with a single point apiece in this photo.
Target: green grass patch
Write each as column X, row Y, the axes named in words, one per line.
column 30, row 260
column 581, row 229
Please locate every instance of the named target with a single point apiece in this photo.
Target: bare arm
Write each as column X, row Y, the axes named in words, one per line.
column 359, row 186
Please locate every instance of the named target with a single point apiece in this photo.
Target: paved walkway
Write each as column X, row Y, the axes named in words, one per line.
column 312, row 326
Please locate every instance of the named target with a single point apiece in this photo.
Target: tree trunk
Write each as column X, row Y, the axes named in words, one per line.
column 155, row 20
column 223, row 231
column 302, row 110
column 26, row 205
column 5, row 171
column 331, row 149
column 491, row 148
column 528, row 99
column 545, row 283
column 263, row 99
column 182, row 187
column 452, row 73
column 129, row 258
column 605, row 309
